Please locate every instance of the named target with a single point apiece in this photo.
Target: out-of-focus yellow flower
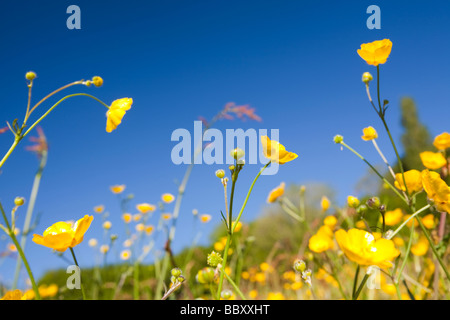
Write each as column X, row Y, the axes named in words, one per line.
column 205, row 275
column 219, row 246
column 369, row 133
column 253, row 294
column 14, row 295
column 360, row 224
column 330, row 221
column 12, row 247
column 99, row 209
column 205, row 218
column 238, row 226
column 410, row 222
column 145, row 208
column 137, row 217
column 116, row 112
column 260, row 277
column 275, row 151
column 48, row 291
column 413, row 180
column 322, row 240
column 62, row 235
column 323, row 275
column 166, row 216
column 125, row 254
column 433, row 160
column 361, row 247
column 266, row 267
column 245, row 275
column 149, row 229
column 352, row 201
column 92, row 242
column 128, row 243
column 167, row 198
column 117, row 188
column 127, row 217
column 437, row 190
column 107, row 225
column 428, row 221
column 275, row 296
column 140, row 227
column 392, row 217
column 421, row 247
column 399, row 242
column 276, row 193
column 442, row 141
column 324, row 203
column 104, row 248
column 376, row 52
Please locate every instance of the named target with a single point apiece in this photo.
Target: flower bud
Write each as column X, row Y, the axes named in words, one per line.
column 214, row 259
column 98, row 81
column 30, row 75
column 176, row 272
column 362, row 209
column 226, row 294
column 237, row 153
column 19, row 201
column 338, row 139
column 114, row 237
column 373, row 203
column 299, row 265
column 352, row 201
column 220, row 173
column 367, row 77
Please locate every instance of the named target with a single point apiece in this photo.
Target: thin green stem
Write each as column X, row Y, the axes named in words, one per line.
column 355, row 280
column 408, row 250
column 363, row 282
column 224, row 263
column 21, row 253
column 76, row 263
column 391, row 235
column 236, row 288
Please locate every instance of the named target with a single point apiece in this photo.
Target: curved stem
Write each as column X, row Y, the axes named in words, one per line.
column 407, row 220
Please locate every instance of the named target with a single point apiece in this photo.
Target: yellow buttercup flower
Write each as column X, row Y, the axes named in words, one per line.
column 442, row 141
column 352, row 201
column 322, row 240
column 117, row 188
column 361, row 247
column 92, row 242
column 276, row 193
column 421, row 247
column 107, row 225
column 166, row 216
column 413, row 180
column 127, row 217
column 168, row 197
column 116, row 112
column 325, row 203
column 369, row 133
column 99, row 209
column 14, row 295
column 205, row 218
column 330, row 221
column 360, row 224
column 125, row 254
column 98, row 81
column 140, row 227
column 104, row 249
column 433, row 160
column 275, row 296
column 145, row 208
column 275, row 151
column 238, row 226
column 62, row 235
column 149, row 229
column 410, row 222
column 48, row 291
column 428, row 221
column 437, row 190
column 375, row 53
column 392, row 217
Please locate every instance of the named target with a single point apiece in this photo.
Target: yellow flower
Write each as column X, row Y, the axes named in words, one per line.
column 125, row 254
column 428, row 221
column 413, row 180
column 399, row 242
column 63, row 235
column 205, row 218
column 98, row 81
column 276, row 193
column 14, row 295
column 275, row 296
column 166, row 216
column 145, row 208
column 99, row 209
column 360, row 224
column 104, row 248
column 127, row 217
column 137, row 217
column 377, row 52
column 116, row 112
column 393, row 217
column 433, row 160
column 369, row 133
column 352, row 201
column 48, row 291
column 322, row 240
column 93, row 242
column 253, row 294
column 275, row 151
column 260, row 277
column 167, row 197
column 325, row 203
column 442, row 141
column 437, row 190
column 266, row 267
column 140, row 227
column 361, row 247
column 330, row 221
column 107, row 225
column 238, row 226
column 12, row 247
column 421, row 247
column 149, row 229
column 410, row 222
column 117, row 188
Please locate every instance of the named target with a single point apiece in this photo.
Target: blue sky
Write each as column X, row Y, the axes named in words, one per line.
column 295, row 62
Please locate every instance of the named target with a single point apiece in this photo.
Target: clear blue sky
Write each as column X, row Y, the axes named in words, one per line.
column 296, row 63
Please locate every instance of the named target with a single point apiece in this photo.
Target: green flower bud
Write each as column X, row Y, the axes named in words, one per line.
column 30, row 75
column 362, row 209
column 176, row 272
column 299, row 265
column 373, row 203
column 367, row 77
column 226, row 294
column 220, row 173
column 237, row 153
column 338, row 139
column 214, row 259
